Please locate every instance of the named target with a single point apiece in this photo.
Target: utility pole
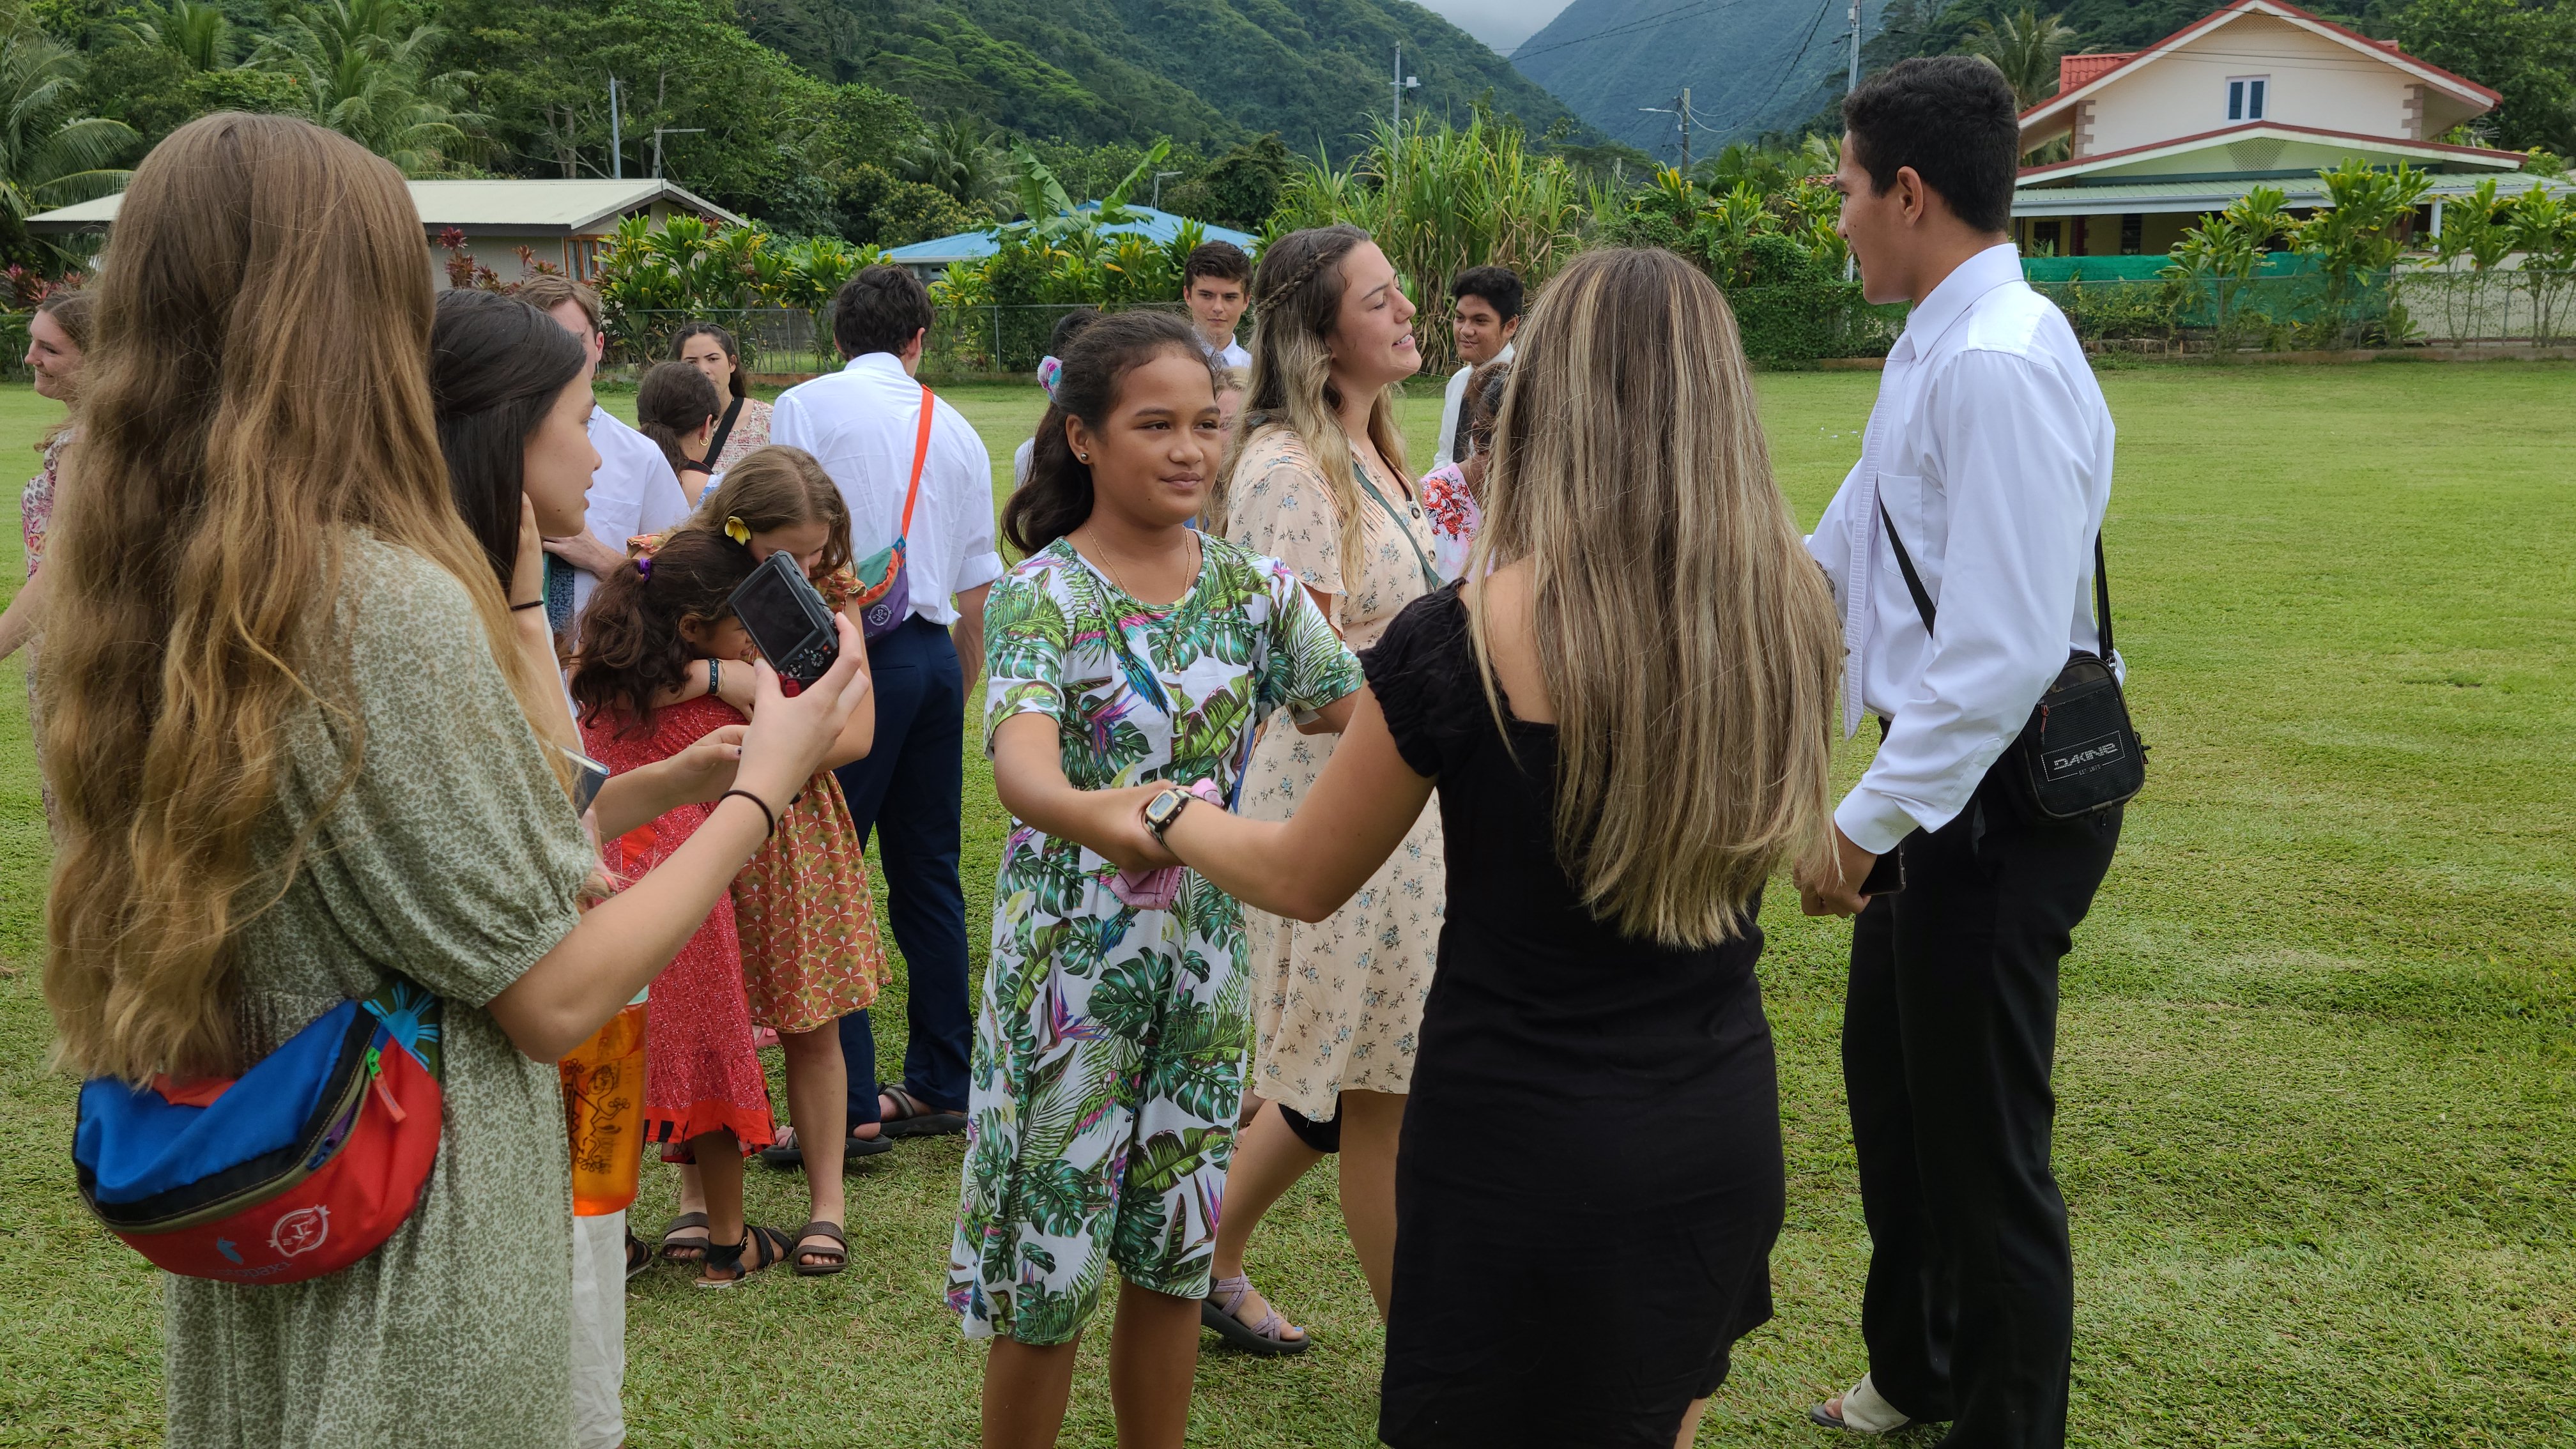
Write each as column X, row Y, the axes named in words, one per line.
column 661, row 131
column 1851, row 83
column 1680, row 109
column 616, row 143
column 1402, row 84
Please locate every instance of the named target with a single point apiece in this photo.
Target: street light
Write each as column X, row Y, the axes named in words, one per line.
column 661, row 131
column 1158, row 187
column 1401, row 84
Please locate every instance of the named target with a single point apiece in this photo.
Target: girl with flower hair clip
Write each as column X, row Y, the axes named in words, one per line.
column 810, row 949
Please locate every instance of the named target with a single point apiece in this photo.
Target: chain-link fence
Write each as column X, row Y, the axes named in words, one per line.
column 2315, row 310
column 965, row 343
column 788, row 340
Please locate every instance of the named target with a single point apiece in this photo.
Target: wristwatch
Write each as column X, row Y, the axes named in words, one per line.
column 1165, row 808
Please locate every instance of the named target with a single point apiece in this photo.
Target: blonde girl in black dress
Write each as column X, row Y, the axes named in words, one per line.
column 1625, row 714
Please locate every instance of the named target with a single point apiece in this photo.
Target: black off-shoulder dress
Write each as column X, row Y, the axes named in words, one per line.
column 1590, row 1180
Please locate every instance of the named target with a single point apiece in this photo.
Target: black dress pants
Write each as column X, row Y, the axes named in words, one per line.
column 1949, row 1034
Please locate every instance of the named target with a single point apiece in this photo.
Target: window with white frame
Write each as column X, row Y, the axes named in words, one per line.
column 2246, row 95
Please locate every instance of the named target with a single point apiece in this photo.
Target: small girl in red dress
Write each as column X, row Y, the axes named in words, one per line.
column 705, row 1096
column 810, row 951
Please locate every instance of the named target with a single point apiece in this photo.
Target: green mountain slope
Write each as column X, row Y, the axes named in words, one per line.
column 1751, row 65
column 1204, row 72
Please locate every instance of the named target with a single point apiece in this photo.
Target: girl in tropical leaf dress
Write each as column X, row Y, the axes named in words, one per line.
column 1126, row 653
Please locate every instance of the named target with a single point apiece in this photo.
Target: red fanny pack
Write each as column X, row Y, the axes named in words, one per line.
column 299, row 1167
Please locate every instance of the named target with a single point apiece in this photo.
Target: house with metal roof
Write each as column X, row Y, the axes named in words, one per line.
column 929, row 258
column 2258, row 93
column 504, row 225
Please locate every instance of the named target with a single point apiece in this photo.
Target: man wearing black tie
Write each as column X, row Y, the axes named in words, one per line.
column 1988, row 458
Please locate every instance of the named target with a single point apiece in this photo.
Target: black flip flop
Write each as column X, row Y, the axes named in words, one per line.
column 912, row 1119
column 1819, row 1415
column 818, row 1229
column 672, row 1230
column 638, row 1256
column 785, row 1153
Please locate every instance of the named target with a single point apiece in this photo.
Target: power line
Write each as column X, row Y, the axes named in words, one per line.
column 1642, row 22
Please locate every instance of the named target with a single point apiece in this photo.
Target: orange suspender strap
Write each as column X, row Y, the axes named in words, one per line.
column 920, row 455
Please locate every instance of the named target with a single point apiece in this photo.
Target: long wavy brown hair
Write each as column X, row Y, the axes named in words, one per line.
column 1689, row 645
column 1297, row 294
column 259, row 392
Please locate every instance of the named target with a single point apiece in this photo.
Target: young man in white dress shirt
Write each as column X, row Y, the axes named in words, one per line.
column 1989, row 452
column 861, row 423
column 1216, row 282
column 1485, row 310
column 633, row 490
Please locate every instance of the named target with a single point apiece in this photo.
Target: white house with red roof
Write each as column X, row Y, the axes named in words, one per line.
column 2258, row 93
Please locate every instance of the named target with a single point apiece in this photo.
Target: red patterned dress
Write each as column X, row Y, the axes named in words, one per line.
column 810, row 952
column 700, row 1073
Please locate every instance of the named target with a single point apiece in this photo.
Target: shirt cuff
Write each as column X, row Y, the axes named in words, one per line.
column 977, row 571
column 1873, row 821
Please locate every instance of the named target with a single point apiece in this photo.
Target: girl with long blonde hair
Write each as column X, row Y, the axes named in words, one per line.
column 298, row 751
column 1625, row 715
column 1318, row 481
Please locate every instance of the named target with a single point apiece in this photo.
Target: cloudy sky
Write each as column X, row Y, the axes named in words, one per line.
column 1501, row 24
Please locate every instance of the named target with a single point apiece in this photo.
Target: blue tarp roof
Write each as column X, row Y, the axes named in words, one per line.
column 970, row 246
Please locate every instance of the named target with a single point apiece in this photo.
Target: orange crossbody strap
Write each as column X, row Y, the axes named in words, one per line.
column 920, row 455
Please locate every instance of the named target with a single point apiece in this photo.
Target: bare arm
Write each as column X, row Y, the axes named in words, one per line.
column 26, row 611
column 968, row 632
column 626, row 941
column 1350, row 823
column 1028, row 775
column 734, row 687
column 694, row 776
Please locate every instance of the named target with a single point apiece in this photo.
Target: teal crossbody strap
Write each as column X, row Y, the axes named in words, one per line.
column 1431, row 582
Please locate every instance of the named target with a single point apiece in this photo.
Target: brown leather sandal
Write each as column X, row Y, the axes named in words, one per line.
column 833, row 1261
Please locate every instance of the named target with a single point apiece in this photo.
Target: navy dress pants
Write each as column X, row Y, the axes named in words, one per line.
column 908, row 791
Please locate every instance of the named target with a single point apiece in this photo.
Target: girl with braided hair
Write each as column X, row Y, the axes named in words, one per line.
column 1318, row 480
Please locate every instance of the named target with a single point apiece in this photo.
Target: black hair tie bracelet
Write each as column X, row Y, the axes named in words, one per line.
column 766, row 812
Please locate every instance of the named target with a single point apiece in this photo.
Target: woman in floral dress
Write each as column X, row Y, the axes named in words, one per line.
column 1318, row 482
column 57, row 341
column 1126, row 650
column 745, row 421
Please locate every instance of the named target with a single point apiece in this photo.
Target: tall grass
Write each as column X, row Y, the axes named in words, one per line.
column 1440, row 200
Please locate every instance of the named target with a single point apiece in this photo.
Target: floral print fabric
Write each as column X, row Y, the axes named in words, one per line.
column 1455, row 516
column 810, row 950
column 1336, row 1005
column 1107, row 1066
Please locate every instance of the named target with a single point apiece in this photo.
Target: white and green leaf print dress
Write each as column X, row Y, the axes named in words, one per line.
column 1109, row 1047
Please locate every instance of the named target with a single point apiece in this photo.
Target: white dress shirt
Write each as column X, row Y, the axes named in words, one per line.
column 1991, row 447
column 860, row 423
column 1230, row 355
column 634, row 491
column 1454, row 403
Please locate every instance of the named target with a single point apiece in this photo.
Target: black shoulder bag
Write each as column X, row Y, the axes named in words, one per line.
column 2079, row 754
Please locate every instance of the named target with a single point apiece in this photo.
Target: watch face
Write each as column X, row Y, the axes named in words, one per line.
column 1164, row 808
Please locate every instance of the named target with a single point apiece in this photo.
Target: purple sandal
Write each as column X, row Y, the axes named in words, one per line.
column 1266, row 1337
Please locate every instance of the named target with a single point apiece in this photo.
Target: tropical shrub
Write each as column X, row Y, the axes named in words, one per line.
column 1767, row 239
column 1440, row 199
column 654, row 279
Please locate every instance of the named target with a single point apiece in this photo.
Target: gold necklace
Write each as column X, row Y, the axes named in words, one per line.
column 1198, row 561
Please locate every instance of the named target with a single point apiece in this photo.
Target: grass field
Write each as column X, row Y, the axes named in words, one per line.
column 2317, row 1122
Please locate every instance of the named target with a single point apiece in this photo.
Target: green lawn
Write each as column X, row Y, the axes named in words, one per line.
column 2316, row 1069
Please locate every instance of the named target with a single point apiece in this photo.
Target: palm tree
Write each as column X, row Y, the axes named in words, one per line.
column 959, row 157
column 199, row 33
column 365, row 69
column 2025, row 48
column 49, row 157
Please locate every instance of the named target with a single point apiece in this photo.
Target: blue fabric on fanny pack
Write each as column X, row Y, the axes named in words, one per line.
column 137, row 1143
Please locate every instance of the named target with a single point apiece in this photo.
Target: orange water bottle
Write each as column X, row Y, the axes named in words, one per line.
column 603, row 1093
